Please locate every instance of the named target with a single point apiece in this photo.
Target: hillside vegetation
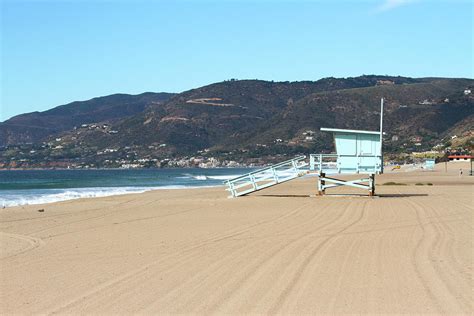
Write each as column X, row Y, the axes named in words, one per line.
column 244, row 119
column 37, row 126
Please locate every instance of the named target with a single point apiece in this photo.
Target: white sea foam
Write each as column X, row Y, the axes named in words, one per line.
column 226, row 177
column 16, row 197
column 32, row 197
column 202, row 177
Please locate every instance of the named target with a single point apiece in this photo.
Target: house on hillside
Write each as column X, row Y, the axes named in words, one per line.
column 425, row 102
column 384, row 82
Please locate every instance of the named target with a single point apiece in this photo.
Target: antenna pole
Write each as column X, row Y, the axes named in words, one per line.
column 381, row 120
column 381, row 133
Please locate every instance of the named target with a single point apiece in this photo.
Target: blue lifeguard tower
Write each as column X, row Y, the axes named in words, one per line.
column 357, row 152
column 429, row 164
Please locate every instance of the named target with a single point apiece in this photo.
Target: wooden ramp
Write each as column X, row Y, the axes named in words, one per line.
column 267, row 177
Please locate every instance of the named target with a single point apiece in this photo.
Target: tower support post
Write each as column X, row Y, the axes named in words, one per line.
column 372, row 185
column 321, row 183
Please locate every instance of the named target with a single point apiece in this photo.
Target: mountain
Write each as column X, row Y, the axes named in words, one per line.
column 250, row 119
column 36, row 126
column 233, row 114
column 224, row 113
column 427, row 108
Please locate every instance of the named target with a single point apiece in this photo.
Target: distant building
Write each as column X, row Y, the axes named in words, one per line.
column 385, row 82
column 427, row 154
column 467, row 91
column 425, row 102
column 460, row 157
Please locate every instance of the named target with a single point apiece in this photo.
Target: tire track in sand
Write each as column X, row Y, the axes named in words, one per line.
column 442, row 243
column 32, row 243
column 416, row 252
column 304, row 265
column 188, row 255
column 249, row 268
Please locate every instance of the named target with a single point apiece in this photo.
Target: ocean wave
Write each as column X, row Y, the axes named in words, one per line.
column 226, row 177
column 202, row 177
column 32, row 197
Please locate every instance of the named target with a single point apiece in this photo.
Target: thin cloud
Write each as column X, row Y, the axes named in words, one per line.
column 389, row 5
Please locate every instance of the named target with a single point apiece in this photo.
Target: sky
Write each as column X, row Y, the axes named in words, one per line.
column 56, row 52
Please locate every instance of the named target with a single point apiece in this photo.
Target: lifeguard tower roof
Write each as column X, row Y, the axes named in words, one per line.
column 355, row 131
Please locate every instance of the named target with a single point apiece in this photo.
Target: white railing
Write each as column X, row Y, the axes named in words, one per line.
column 266, row 177
column 334, row 163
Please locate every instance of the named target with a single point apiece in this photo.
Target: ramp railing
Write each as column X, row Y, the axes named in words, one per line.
column 267, row 177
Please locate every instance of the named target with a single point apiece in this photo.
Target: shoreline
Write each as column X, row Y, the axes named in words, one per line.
column 439, row 170
column 140, row 190
column 38, row 187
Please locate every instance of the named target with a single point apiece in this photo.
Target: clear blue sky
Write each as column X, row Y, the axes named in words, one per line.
column 55, row 52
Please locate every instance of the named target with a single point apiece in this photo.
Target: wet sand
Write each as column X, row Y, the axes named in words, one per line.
column 281, row 250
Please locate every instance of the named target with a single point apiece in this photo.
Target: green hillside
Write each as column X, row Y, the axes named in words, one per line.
column 37, row 126
column 249, row 119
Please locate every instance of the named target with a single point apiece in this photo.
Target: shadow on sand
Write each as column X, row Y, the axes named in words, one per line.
column 400, row 195
column 284, row 195
column 397, row 195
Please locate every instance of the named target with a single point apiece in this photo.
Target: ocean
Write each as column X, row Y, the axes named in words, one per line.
column 26, row 187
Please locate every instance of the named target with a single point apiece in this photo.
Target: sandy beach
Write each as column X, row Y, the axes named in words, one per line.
column 278, row 251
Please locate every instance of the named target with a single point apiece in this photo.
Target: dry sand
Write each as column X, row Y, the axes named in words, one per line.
column 279, row 250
